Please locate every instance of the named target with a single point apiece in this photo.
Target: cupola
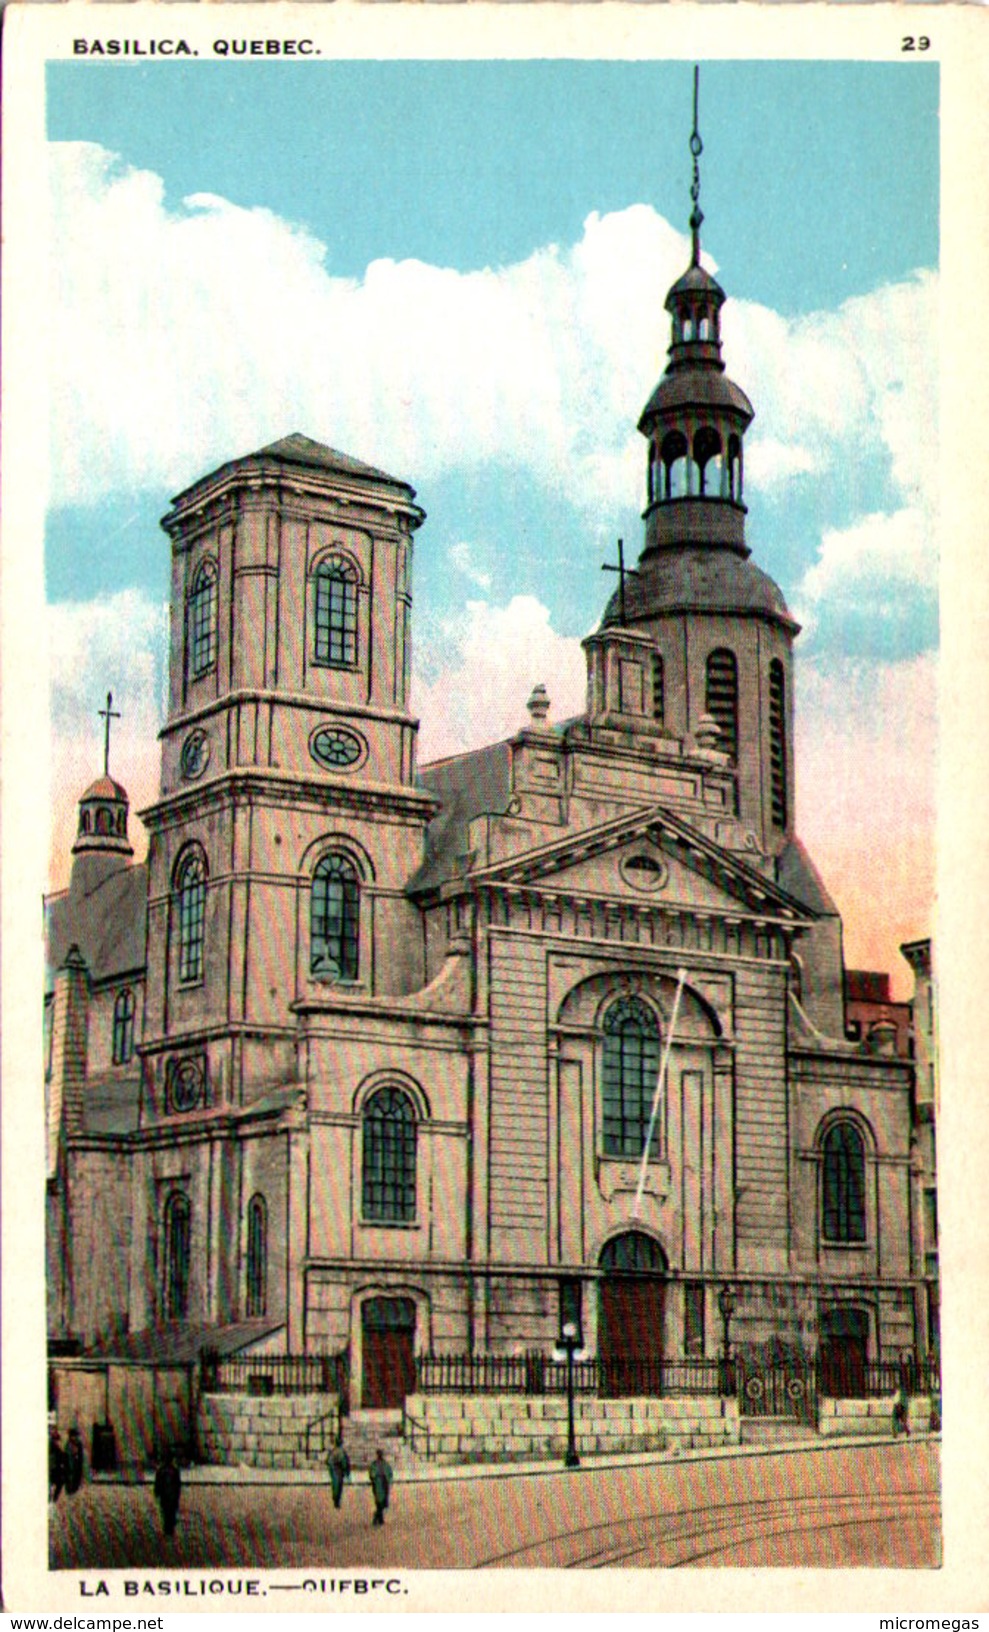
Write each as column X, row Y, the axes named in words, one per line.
column 696, row 418
column 103, row 811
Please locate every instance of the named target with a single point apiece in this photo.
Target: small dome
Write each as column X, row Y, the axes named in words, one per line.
column 699, row 580
column 695, row 388
column 694, row 281
column 104, row 788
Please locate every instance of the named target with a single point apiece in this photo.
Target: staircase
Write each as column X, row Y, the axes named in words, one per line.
column 365, row 1431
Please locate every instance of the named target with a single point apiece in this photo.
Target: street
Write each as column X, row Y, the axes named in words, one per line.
column 866, row 1506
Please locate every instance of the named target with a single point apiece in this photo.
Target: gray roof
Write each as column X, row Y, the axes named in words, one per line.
column 467, row 785
column 797, row 875
column 696, row 387
column 297, row 449
column 698, row 578
column 108, row 923
column 176, row 1344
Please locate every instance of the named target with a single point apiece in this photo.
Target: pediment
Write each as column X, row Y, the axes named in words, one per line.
column 653, row 858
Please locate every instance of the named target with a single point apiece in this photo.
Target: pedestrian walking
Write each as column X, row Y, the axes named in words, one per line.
column 75, row 1462
column 56, row 1466
column 338, row 1464
column 168, row 1489
column 381, row 1476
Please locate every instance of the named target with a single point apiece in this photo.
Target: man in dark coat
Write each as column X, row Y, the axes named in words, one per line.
column 74, row 1462
column 168, row 1489
column 381, row 1476
column 56, row 1466
column 338, row 1464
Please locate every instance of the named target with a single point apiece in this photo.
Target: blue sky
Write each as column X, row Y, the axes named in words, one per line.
column 457, row 270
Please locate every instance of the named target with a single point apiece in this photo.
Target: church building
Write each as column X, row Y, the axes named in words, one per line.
column 363, row 1058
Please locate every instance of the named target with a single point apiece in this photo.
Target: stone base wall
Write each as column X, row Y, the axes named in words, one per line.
column 512, row 1428
column 266, row 1433
column 871, row 1416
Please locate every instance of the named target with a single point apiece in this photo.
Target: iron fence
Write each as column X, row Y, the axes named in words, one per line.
column 538, row 1373
column 275, row 1374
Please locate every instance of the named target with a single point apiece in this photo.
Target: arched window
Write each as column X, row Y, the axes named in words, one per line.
column 843, row 1185
column 388, row 1173
column 102, row 820
column 190, row 898
column 334, row 919
column 658, row 698
column 202, row 620
column 123, row 1027
column 707, row 457
column 336, row 614
column 177, row 1245
column 674, row 456
column 257, row 1257
column 629, row 1074
column 633, row 1254
column 735, row 468
column 721, row 697
column 777, row 742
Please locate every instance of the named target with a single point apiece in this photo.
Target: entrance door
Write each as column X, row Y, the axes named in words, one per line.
column 630, row 1316
column 389, row 1371
column 844, row 1353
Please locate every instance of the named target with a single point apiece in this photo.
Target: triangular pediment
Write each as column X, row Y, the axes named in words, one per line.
column 652, row 857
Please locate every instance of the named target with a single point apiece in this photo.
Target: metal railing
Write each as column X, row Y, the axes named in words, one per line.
column 536, row 1373
column 416, row 1434
column 263, row 1374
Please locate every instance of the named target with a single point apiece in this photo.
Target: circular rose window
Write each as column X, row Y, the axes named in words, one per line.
column 337, row 749
column 644, row 871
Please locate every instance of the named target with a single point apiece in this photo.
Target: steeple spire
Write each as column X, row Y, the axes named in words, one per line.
column 696, row 149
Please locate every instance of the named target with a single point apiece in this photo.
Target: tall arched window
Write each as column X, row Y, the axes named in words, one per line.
column 336, row 613
column 777, row 742
column 257, row 1256
column 123, row 1027
column 721, row 697
column 202, row 620
column 178, row 1234
column 190, row 900
column 388, row 1173
column 334, row 919
column 843, row 1185
column 629, row 1074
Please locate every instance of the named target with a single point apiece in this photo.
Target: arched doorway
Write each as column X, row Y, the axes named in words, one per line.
column 631, row 1296
column 388, row 1328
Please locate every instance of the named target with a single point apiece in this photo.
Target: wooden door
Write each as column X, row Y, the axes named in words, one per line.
column 389, row 1370
column 630, row 1335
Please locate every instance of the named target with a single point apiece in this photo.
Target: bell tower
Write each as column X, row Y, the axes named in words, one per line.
column 719, row 634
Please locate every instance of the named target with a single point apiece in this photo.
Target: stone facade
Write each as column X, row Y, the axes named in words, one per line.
column 371, row 1050
column 504, row 1428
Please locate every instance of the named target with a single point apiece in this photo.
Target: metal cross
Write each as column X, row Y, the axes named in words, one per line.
column 623, row 572
column 109, row 713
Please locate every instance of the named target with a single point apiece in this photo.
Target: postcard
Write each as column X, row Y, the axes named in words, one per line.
column 493, row 625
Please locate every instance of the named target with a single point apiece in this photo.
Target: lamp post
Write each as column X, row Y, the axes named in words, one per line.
column 570, row 1341
column 726, row 1305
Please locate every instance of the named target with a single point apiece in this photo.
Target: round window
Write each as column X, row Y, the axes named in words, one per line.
column 186, row 1081
column 195, row 755
column 335, row 748
column 644, row 871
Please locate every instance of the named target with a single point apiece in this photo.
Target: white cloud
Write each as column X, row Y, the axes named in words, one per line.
column 501, row 652
column 182, row 337
column 865, row 564
column 462, row 556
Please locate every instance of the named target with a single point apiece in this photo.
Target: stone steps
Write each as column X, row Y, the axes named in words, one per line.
column 365, row 1431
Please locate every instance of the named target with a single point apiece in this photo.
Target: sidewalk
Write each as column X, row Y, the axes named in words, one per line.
column 209, row 1474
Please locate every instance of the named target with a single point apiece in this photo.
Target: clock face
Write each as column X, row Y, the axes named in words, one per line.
column 336, row 748
column 195, row 755
column 186, row 1079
